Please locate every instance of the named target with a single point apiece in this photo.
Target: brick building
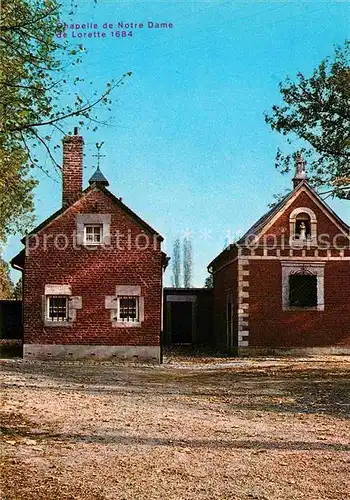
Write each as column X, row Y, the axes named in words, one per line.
column 285, row 285
column 92, row 274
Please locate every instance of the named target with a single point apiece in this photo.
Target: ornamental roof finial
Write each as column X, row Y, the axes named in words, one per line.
column 300, row 171
column 98, row 176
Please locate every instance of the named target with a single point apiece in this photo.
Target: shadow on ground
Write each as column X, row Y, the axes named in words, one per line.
column 293, row 386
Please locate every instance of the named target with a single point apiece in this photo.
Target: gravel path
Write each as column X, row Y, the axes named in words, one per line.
column 189, row 429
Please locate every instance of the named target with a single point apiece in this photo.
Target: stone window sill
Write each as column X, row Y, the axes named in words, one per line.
column 300, row 309
column 58, row 323
column 128, row 324
column 301, row 243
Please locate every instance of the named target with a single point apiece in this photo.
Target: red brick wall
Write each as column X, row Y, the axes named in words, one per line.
column 225, row 280
column 72, row 169
column 324, row 224
column 93, row 274
column 269, row 326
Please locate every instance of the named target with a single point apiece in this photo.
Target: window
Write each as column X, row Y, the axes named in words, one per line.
column 93, row 229
column 57, row 308
column 126, row 306
column 128, row 309
column 302, row 290
column 303, row 227
column 93, row 234
column 303, row 285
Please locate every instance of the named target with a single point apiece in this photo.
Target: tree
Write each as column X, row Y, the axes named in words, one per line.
column 209, row 281
column 16, row 190
column 316, row 110
column 187, row 262
column 36, row 69
column 176, row 264
column 6, row 285
column 18, row 290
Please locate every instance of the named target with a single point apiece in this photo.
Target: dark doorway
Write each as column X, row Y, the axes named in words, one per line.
column 229, row 322
column 11, row 328
column 181, row 322
column 11, row 321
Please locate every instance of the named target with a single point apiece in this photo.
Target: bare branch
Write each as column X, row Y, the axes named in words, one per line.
column 77, row 112
column 47, row 149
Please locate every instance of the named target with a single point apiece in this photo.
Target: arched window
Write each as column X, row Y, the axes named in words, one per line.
column 303, row 225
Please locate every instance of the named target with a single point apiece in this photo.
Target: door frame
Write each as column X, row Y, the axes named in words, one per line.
column 229, row 322
column 182, row 298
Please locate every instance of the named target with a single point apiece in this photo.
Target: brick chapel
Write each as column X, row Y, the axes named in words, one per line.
column 285, row 285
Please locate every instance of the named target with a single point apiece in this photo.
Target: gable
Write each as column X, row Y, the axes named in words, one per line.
column 95, row 200
column 328, row 223
column 276, row 223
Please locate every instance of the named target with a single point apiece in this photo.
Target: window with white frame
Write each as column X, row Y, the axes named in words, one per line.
column 93, row 229
column 303, row 285
column 128, row 309
column 57, row 309
column 59, row 305
column 93, row 234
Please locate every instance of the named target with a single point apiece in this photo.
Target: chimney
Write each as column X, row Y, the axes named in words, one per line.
column 72, row 170
column 300, row 172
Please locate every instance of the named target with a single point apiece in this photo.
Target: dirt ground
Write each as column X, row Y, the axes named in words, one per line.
column 189, row 429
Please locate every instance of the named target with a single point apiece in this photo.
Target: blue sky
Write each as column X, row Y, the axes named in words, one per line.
column 186, row 144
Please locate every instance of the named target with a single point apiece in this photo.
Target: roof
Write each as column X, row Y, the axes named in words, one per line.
column 18, row 261
column 126, row 209
column 45, row 222
column 165, row 260
column 186, row 290
column 117, row 201
column 99, row 178
column 225, row 250
column 259, row 225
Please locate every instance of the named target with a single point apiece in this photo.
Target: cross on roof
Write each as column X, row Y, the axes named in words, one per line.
column 99, row 155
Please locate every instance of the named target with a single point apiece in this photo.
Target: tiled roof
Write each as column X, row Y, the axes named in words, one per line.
column 99, row 178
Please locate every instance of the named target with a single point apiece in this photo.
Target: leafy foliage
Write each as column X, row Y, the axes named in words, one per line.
column 6, row 285
column 34, row 78
column 316, row 110
column 16, row 198
column 36, row 71
column 18, row 290
column 209, row 282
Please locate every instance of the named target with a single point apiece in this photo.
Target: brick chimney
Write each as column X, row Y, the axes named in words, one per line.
column 72, row 170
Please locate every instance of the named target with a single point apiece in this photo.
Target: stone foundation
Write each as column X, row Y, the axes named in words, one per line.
column 97, row 352
column 294, row 351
